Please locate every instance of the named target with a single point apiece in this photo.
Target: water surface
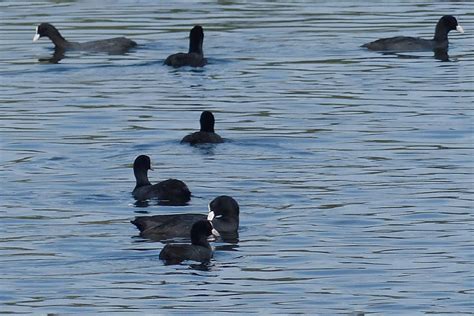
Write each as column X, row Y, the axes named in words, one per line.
column 353, row 169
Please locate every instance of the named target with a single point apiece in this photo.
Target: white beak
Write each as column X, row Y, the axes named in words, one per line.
column 210, row 216
column 36, row 37
column 459, row 29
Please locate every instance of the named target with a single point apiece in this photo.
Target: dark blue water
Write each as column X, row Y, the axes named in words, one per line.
column 353, row 170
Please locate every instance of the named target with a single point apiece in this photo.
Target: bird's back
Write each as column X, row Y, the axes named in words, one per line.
column 401, row 44
column 175, row 253
column 186, row 59
column 161, row 227
column 202, row 138
column 111, row 45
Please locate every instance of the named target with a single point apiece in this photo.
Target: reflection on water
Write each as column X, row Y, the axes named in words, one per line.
column 353, row 169
column 53, row 59
column 441, row 55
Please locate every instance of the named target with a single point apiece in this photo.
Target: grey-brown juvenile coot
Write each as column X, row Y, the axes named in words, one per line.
column 195, row 56
column 171, row 191
column 200, row 250
column 206, row 134
column 223, row 213
column 115, row 45
column 407, row 43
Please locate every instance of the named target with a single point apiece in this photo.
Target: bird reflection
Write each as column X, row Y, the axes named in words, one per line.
column 147, row 203
column 205, row 266
column 227, row 247
column 231, row 238
column 55, row 58
column 439, row 54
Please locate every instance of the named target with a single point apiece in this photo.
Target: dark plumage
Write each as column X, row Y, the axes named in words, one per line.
column 115, row 45
column 206, row 134
column 199, row 250
column 160, row 227
column 407, row 44
column 223, row 212
column 171, row 191
column 195, row 56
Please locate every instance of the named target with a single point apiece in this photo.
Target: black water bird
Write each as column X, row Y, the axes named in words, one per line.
column 171, row 191
column 206, row 135
column 195, row 56
column 116, row 45
column 223, row 213
column 439, row 43
column 199, row 250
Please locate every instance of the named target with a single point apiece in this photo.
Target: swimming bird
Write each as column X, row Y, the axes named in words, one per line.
column 195, row 56
column 206, row 134
column 406, row 43
column 115, row 45
column 200, row 250
column 223, row 213
column 171, row 191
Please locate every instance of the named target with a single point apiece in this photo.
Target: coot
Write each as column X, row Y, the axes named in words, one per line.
column 200, row 250
column 195, row 56
column 223, row 212
column 115, row 45
column 171, row 191
column 206, row 133
column 407, row 43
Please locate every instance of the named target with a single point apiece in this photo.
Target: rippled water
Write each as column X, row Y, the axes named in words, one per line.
column 353, row 169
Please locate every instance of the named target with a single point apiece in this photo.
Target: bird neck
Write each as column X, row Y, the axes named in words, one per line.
column 207, row 129
column 195, row 46
column 141, row 176
column 441, row 33
column 58, row 40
